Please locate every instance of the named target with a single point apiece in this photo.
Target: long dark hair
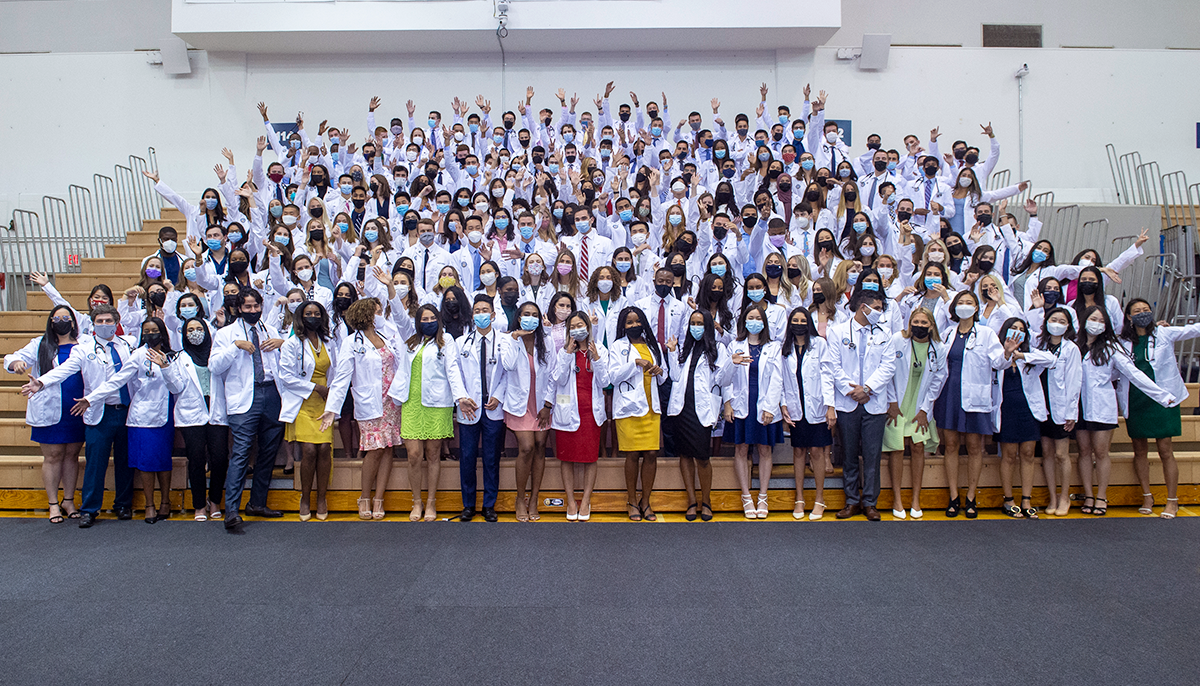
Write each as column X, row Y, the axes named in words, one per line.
column 539, row 334
column 705, row 301
column 48, row 349
column 1022, row 266
column 1010, row 323
column 417, row 337
column 338, row 314
column 1105, row 344
column 198, row 353
column 1129, row 331
column 708, row 341
column 103, row 288
column 1070, row 333
column 162, row 334
column 647, row 334
column 1080, row 298
column 457, row 323
column 299, row 329
column 789, row 339
column 744, row 334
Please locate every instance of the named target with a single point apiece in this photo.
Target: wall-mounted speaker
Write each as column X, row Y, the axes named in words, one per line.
column 875, row 49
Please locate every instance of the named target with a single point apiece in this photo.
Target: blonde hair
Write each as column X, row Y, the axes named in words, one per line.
column 805, row 275
column 670, row 232
column 934, row 336
column 841, row 278
column 995, row 282
column 854, row 207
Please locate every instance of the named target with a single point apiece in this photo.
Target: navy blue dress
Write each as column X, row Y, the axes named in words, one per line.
column 749, row 431
column 948, row 410
column 1017, row 424
column 69, row 429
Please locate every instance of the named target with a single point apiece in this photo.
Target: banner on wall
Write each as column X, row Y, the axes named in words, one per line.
column 843, row 129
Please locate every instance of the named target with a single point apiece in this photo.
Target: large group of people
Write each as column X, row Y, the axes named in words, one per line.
column 602, row 282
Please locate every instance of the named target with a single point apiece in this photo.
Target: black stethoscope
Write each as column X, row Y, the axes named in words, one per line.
column 467, row 347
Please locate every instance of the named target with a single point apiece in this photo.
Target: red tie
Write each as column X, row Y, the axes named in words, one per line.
column 662, row 318
column 583, row 259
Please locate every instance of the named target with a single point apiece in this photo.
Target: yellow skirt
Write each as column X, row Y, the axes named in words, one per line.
column 307, row 427
column 641, row 433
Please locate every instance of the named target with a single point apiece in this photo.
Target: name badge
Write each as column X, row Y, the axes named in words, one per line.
column 564, row 400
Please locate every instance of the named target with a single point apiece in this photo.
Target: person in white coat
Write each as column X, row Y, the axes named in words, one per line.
column 699, row 365
column 579, row 414
column 1061, row 383
column 368, row 361
column 151, row 419
column 964, row 409
column 98, row 357
column 752, row 399
column 57, row 432
column 200, row 418
column 635, row 370
column 479, row 359
column 306, row 366
column 1104, row 361
column 861, row 362
column 1153, row 350
column 523, row 383
column 920, row 374
column 245, row 356
column 807, row 405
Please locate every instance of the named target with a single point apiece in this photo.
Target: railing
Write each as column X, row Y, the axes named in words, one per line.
column 78, row 227
column 999, row 179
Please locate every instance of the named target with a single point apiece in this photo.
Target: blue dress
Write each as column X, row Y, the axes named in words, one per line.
column 1017, row 423
column 749, row 431
column 150, row 449
column 68, row 429
column 948, row 410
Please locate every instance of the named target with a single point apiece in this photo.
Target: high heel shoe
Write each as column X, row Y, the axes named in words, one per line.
column 748, row 508
column 703, row 516
column 377, row 511
column 761, row 510
column 818, row 511
column 364, row 508
column 798, row 512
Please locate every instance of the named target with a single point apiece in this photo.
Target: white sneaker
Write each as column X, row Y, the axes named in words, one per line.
column 915, row 513
column 898, row 514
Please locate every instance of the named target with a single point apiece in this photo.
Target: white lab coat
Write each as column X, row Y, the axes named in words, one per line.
column 707, row 383
column 770, row 382
column 45, row 407
column 842, row 364
column 92, row 356
column 565, row 416
column 468, row 365
column 512, row 376
column 933, row 374
column 236, row 366
column 1036, row 361
column 818, row 385
column 1098, row 399
column 1064, row 381
column 441, row 378
column 1161, row 350
column 983, row 356
column 296, row 366
column 150, row 390
column 629, row 393
column 190, row 406
column 361, row 372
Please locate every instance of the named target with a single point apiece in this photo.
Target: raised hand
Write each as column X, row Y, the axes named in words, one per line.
column 716, row 105
column 1141, row 239
column 634, row 98
column 261, row 144
column 574, row 101
column 987, row 129
column 528, row 94
column 322, row 127
column 608, row 89
column 220, row 172
column 412, row 108
column 39, row 278
column 1031, row 207
column 562, row 95
column 374, row 104
column 762, row 91
column 152, row 175
column 262, row 109
column 807, row 90
column 935, row 134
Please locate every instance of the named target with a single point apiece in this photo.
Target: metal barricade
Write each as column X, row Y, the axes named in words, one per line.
column 1155, row 278
column 1127, row 165
column 1114, row 162
column 1187, row 352
column 999, row 180
column 1150, row 180
column 1177, row 200
column 66, row 245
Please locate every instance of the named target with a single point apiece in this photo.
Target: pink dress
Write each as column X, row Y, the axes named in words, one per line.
column 529, row 420
column 383, row 432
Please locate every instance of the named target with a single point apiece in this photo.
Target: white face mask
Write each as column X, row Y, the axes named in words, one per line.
column 488, row 278
column 965, row 311
column 1094, row 327
column 481, row 207
column 1057, row 328
column 936, row 256
column 289, row 220
column 1085, row 262
column 293, row 305
column 497, row 192
column 418, row 140
column 379, row 321
column 402, row 290
column 803, row 222
column 638, row 238
column 304, row 274
column 964, row 181
column 678, row 187
column 885, row 273
column 458, row 136
column 475, row 237
column 867, row 250
column 169, row 246
column 605, row 285
column 411, row 155
column 874, row 315
column 831, row 136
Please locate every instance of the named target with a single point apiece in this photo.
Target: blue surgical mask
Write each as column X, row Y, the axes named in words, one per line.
column 474, row 128
column 932, row 282
column 553, row 167
column 462, row 202
column 501, row 223
column 558, row 212
column 343, row 227
column 371, row 235
column 569, row 137
column 860, row 227
column 806, row 165
column 526, row 232
column 719, row 154
column 432, row 123
column 844, row 173
column 717, row 269
column 401, row 209
column 283, row 240
column 529, row 323
column 853, row 278
column 1039, row 256
column 675, row 219
column 213, row 243
column 783, row 119
column 656, row 131
column 498, row 139
column 622, row 266
column 517, row 167
column 188, row 312
column 210, row 203
column 443, row 208
column 190, row 273
column 891, row 166
column 295, row 144
column 483, row 320
column 345, row 188
column 234, row 237
column 697, row 331
column 756, row 294
column 754, row 325
column 472, row 169
column 798, row 134
column 626, row 215
column 277, row 211
column 870, row 286
column 583, row 226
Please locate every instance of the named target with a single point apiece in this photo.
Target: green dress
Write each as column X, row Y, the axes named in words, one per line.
column 1148, row 419
column 418, row 422
column 893, row 436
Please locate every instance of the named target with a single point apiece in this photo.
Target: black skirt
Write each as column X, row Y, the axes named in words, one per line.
column 692, row 439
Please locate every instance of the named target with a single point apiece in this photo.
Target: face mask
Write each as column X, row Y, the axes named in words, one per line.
column 818, row 298
column 986, row 265
column 970, row 158
column 622, row 266
column 964, row 182
column 190, row 273
column 931, row 170
column 756, row 294
column 860, row 227
column 475, row 237
column 529, row 323
column 316, row 212
column 1095, row 328
column 749, row 221
column 880, row 165
column 1142, row 320
column 288, row 220
column 773, row 271
column 565, row 269
column 891, row 166
column 764, row 156
column 919, row 332
column 104, row 331
column 459, row 136
column 937, row 256
column 153, row 273
column 639, row 238
column 230, row 300
column 583, row 226
column 151, row 340
column 447, row 281
column 754, row 326
column 428, row 329
column 662, row 289
column 1085, row 262
column 719, row 154
column 304, row 274
column 1038, row 256
column 371, row 235
column 189, row 311
column 825, row 245
column 580, row 335
column 743, row 132
column 1089, row 287
column 1056, row 328
column 678, row 269
column 806, row 165
column 831, row 137
column 451, row 307
column 867, row 250
column 785, row 187
column 903, row 215
column 626, row 215
column 1051, row 297
column 210, row 203
column 427, row 239
column 487, row 279
column 195, row 336
column 483, row 320
column 719, row 232
column 873, row 316
column 984, row 219
column 850, row 195
column 61, row 326
column 169, row 246
column 932, row 282
column 535, row 268
column 965, row 311
column 557, row 212
column 293, row 305
column 778, row 239
column 251, row 318
column 526, row 232
column 656, row 131
column 852, row 278
column 402, row 290
column 870, row 286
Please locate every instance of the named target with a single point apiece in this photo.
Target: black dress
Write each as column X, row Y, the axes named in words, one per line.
column 692, row 439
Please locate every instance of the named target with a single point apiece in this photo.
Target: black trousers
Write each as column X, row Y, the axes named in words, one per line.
column 207, row 449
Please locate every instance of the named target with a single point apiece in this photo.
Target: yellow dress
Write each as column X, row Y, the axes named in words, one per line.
column 307, row 427
column 641, row 433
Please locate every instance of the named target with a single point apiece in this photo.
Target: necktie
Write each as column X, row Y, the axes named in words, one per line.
column 259, row 377
column 874, row 185
column 116, row 358
column 528, row 248
column 279, row 194
column 1004, row 274
column 477, row 258
column 483, row 368
column 583, row 258
column 662, row 320
column 719, row 249
column 862, row 352
column 928, row 192
column 425, row 270
column 807, row 252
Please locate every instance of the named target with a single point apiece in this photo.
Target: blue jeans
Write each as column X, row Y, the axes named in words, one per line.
column 110, row 436
column 261, row 420
column 862, row 434
column 492, row 433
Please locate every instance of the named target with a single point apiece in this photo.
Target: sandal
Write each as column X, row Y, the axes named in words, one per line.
column 364, row 508
column 377, row 512
column 201, row 515
column 1010, row 509
column 798, row 512
column 707, row 517
column 690, row 514
column 1087, row 509
column 1100, row 511
column 818, row 512
column 953, row 508
column 748, row 507
column 1029, row 512
column 648, row 514
column 761, row 510
column 56, row 515
column 430, row 511
column 1147, row 510
column 971, row 510
column 214, row 511
column 1170, row 515
column 73, row 513
column 634, row 516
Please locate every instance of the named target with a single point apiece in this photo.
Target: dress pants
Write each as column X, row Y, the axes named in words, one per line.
column 862, row 434
column 110, row 436
column 262, row 420
column 491, row 431
column 207, row 449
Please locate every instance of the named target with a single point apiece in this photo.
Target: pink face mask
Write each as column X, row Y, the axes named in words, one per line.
column 564, row 269
column 778, row 240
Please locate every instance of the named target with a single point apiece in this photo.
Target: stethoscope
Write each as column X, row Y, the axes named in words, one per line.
column 100, row 351
column 849, row 340
column 467, row 347
column 628, row 353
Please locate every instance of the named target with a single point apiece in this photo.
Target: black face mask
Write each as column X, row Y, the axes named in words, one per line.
column 624, row 116
column 773, row 271
column 312, row 323
column 931, row 170
column 785, row 187
column 61, row 327
column 546, row 121
column 538, row 159
column 956, row 249
column 793, row 272
column 663, row 289
column 880, row 165
column 252, row 318
column 158, row 298
column 812, row 196
column 719, row 232
column 653, row 114
column 231, row 300
column 318, row 180
column 749, row 221
column 818, row 298
column 984, row 219
column 152, row 340
column 374, row 187
column 773, row 174
column 903, row 215
column 316, row 212
column 237, row 268
column 570, row 159
column 971, row 158
column 451, row 307
column 825, row 245
column 800, row 330
column 986, row 265
column 716, row 295
column 341, row 302
column 509, row 299
column 508, row 124
column 633, row 332
column 678, row 269
column 777, row 136
column 684, row 246
column 960, row 153
column 919, row 333
column 851, row 196
column 1051, row 298
column 1089, row 287
column 359, row 202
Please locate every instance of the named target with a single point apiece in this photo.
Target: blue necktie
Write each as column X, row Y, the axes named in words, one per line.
column 116, row 358
column 477, row 257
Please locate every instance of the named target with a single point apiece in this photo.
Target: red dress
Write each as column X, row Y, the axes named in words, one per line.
column 583, row 444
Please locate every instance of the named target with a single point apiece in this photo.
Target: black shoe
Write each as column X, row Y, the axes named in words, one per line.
column 123, row 513
column 233, row 523
column 86, row 520
column 263, row 512
column 467, row 515
column 489, row 514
